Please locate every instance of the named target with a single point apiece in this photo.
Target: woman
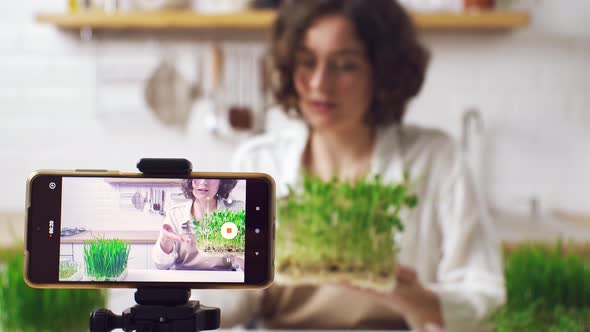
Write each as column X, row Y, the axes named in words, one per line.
column 348, row 68
column 176, row 248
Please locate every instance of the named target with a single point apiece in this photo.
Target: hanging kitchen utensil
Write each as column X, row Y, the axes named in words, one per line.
column 169, row 95
column 215, row 84
column 162, row 202
column 239, row 111
column 240, row 104
column 158, row 198
column 154, row 201
column 138, row 201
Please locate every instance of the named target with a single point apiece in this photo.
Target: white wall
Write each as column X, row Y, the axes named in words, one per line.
column 531, row 85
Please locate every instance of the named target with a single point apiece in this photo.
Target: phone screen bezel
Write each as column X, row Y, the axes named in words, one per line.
column 44, row 204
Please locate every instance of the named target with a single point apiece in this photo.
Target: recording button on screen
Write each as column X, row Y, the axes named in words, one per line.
column 229, row 230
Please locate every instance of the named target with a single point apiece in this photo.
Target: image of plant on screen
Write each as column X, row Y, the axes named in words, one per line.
column 209, row 231
column 106, row 259
column 70, row 271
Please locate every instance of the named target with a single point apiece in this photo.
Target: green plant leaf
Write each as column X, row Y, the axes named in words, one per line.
column 209, row 237
column 25, row 309
column 548, row 290
column 106, row 258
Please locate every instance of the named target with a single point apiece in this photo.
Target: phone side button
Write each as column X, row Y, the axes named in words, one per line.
column 28, row 230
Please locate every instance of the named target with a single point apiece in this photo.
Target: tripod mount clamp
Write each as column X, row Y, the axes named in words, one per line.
column 160, row 309
column 164, row 166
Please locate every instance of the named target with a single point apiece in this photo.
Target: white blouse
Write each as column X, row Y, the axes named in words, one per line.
column 453, row 249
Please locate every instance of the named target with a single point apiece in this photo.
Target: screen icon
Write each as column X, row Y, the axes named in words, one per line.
column 52, row 185
column 51, row 226
column 229, row 230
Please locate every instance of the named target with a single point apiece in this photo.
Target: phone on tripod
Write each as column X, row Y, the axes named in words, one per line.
column 107, row 229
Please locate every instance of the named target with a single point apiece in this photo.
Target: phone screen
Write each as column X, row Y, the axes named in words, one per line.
column 199, row 230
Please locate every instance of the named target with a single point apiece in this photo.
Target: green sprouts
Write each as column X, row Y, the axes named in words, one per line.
column 341, row 228
column 208, row 231
column 106, row 258
column 25, row 309
column 548, row 290
column 67, row 269
column 549, row 276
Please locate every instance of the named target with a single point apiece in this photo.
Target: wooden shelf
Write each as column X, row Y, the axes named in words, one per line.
column 262, row 19
column 492, row 20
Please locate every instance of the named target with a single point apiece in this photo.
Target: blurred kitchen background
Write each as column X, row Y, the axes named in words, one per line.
column 85, row 87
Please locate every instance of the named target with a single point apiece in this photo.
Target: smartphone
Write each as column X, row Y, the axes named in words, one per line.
column 109, row 229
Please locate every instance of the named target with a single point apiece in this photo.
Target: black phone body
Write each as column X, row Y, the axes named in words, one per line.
column 103, row 229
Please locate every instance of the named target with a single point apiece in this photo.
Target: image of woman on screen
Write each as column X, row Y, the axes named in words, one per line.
column 177, row 248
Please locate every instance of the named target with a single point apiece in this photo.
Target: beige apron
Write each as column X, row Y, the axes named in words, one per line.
column 326, row 307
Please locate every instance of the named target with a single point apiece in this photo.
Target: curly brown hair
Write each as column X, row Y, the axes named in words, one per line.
column 225, row 188
column 397, row 59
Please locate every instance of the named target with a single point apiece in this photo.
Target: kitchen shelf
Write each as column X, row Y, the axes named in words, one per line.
column 262, row 19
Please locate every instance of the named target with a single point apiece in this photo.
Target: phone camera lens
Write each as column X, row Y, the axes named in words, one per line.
column 52, row 185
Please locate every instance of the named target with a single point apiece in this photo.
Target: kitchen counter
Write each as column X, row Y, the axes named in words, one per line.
column 513, row 227
column 133, row 237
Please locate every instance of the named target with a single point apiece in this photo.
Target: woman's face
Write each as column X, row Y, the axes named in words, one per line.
column 333, row 77
column 205, row 188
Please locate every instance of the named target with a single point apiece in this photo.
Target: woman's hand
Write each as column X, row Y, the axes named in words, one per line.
column 188, row 238
column 418, row 304
column 168, row 234
column 168, row 237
